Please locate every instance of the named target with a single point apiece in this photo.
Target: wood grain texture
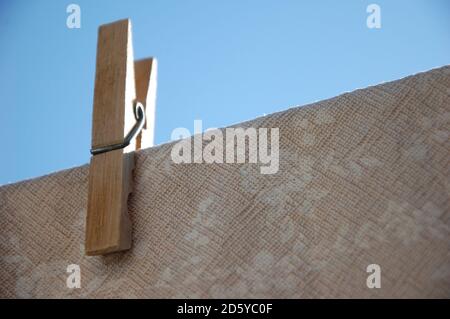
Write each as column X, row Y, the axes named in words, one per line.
column 114, row 90
column 108, row 228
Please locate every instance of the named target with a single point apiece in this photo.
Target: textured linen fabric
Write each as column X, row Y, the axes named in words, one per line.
column 364, row 178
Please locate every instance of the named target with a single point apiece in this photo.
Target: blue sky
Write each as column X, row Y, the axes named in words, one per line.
column 220, row 61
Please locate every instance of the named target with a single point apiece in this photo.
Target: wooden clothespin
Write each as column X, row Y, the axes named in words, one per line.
column 123, row 121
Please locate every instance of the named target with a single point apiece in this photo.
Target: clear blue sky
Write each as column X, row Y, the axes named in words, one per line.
column 220, row 61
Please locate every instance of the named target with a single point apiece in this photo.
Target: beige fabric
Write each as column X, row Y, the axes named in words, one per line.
column 364, row 178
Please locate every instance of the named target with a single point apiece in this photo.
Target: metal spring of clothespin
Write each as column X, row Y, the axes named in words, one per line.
column 139, row 114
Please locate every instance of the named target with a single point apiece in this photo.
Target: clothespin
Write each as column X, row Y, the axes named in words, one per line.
column 123, row 121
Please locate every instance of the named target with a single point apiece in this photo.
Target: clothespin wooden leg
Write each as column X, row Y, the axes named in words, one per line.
column 108, row 227
column 146, row 74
